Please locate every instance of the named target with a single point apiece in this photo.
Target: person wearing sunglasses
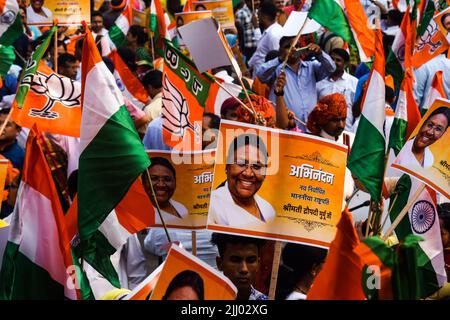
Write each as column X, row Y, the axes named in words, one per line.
column 235, row 202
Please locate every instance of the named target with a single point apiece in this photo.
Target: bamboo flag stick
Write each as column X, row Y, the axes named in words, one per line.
column 194, row 242
column 232, row 95
column 55, row 55
column 275, row 267
column 293, row 44
column 153, row 49
column 403, row 212
column 157, row 205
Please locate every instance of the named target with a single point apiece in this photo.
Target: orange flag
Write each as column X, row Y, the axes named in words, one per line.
column 340, row 277
column 52, row 101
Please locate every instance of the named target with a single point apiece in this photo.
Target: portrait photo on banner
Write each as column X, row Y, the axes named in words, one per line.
column 182, row 184
column 42, row 12
column 426, row 155
column 443, row 21
column 222, row 10
column 186, row 277
column 276, row 184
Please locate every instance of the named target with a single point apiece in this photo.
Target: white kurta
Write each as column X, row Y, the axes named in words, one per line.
column 170, row 218
column 33, row 17
column 224, row 211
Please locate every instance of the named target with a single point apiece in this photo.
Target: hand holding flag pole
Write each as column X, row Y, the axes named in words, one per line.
column 294, row 42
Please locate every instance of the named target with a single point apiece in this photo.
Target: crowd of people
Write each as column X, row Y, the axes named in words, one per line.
column 319, row 92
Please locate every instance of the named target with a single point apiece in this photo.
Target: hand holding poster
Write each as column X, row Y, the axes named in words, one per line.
column 42, row 12
column 426, row 155
column 276, row 184
column 182, row 184
column 222, row 10
column 205, row 283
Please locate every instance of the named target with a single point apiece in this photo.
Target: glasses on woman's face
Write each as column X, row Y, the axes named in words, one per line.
column 437, row 129
column 257, row 168
column 164, row 179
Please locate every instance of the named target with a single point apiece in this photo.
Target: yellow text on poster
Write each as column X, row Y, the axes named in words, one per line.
column 67, row 12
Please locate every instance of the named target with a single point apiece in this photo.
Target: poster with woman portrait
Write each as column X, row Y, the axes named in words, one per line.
column 222, row 10
column 182, row 185
column 183, row 18
column 426, row 155
column 442, row 19
column 275, row 184
column 186, row 277
column 42, row 12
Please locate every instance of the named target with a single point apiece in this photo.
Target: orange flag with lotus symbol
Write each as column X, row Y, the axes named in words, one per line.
column 52, row 101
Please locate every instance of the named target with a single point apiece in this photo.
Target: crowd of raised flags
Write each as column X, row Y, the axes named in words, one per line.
column 63, row 228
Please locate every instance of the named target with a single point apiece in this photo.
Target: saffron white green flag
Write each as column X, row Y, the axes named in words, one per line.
column 111, row 159
column 422, row 220
column 367, row 157
column 348, row 20
column 118, row 32
column 10, row 22
column 37, row 263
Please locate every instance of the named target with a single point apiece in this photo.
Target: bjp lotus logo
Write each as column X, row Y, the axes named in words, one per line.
column 57, row 89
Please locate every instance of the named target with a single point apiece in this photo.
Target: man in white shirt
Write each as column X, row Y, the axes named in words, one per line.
column 340, row 82
column 270, row 39
column 100, row 34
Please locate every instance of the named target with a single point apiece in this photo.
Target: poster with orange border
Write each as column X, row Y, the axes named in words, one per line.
column 183, row 18
column 141, row 18
column 181, row 264
column 430, row 142
column 193, row 181
column 222, row 10
column 442, row 19
column 294, row 195
column 66, row 12
column 145, row 288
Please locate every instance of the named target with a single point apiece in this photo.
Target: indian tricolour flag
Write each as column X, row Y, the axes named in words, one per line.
column 128, row 83
column 157, row 24
column 436, row 91
column 366, row 161
column 111, row 159
column 10, row 22
column 118, row 32
column 37, row 263
column 422, row 220
column 348, row 20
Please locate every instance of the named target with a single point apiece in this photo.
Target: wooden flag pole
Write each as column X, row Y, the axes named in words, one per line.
column 275, row 267
column 293, row 45
column 233, row 96
column 157, row 205
column 403, row 212
column 194, row 242
column 153, row 49
column 389, row 212
column 55, row 54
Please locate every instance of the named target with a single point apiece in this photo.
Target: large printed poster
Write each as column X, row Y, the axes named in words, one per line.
column 67, row 12
column 277, row 184
column 426, row 155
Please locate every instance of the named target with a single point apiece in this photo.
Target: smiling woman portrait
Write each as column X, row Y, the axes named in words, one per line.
column 163, row 178
column 235, row 202
column 416, row 151
column 37, row 13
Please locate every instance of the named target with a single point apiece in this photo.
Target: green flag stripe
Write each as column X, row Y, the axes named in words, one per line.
column 13, row 32
column 30, row 282
column 397, row 135
column 108, row 167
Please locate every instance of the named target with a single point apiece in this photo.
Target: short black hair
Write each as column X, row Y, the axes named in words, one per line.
column 162, row 162
column 269, row 9
column 441, row 110
column 221, row 240
column 341, row 53
column 302, row 258
column 246, row 139
column 443, row 18
column 140, row 34
column 285, row 39
column 396, row 16
column 186, row 278
column 128, row 56
column 153, row 78
column 272, row 54
column 389, row 94
column 97, row 14
column 215, row 120
column 65, row 58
